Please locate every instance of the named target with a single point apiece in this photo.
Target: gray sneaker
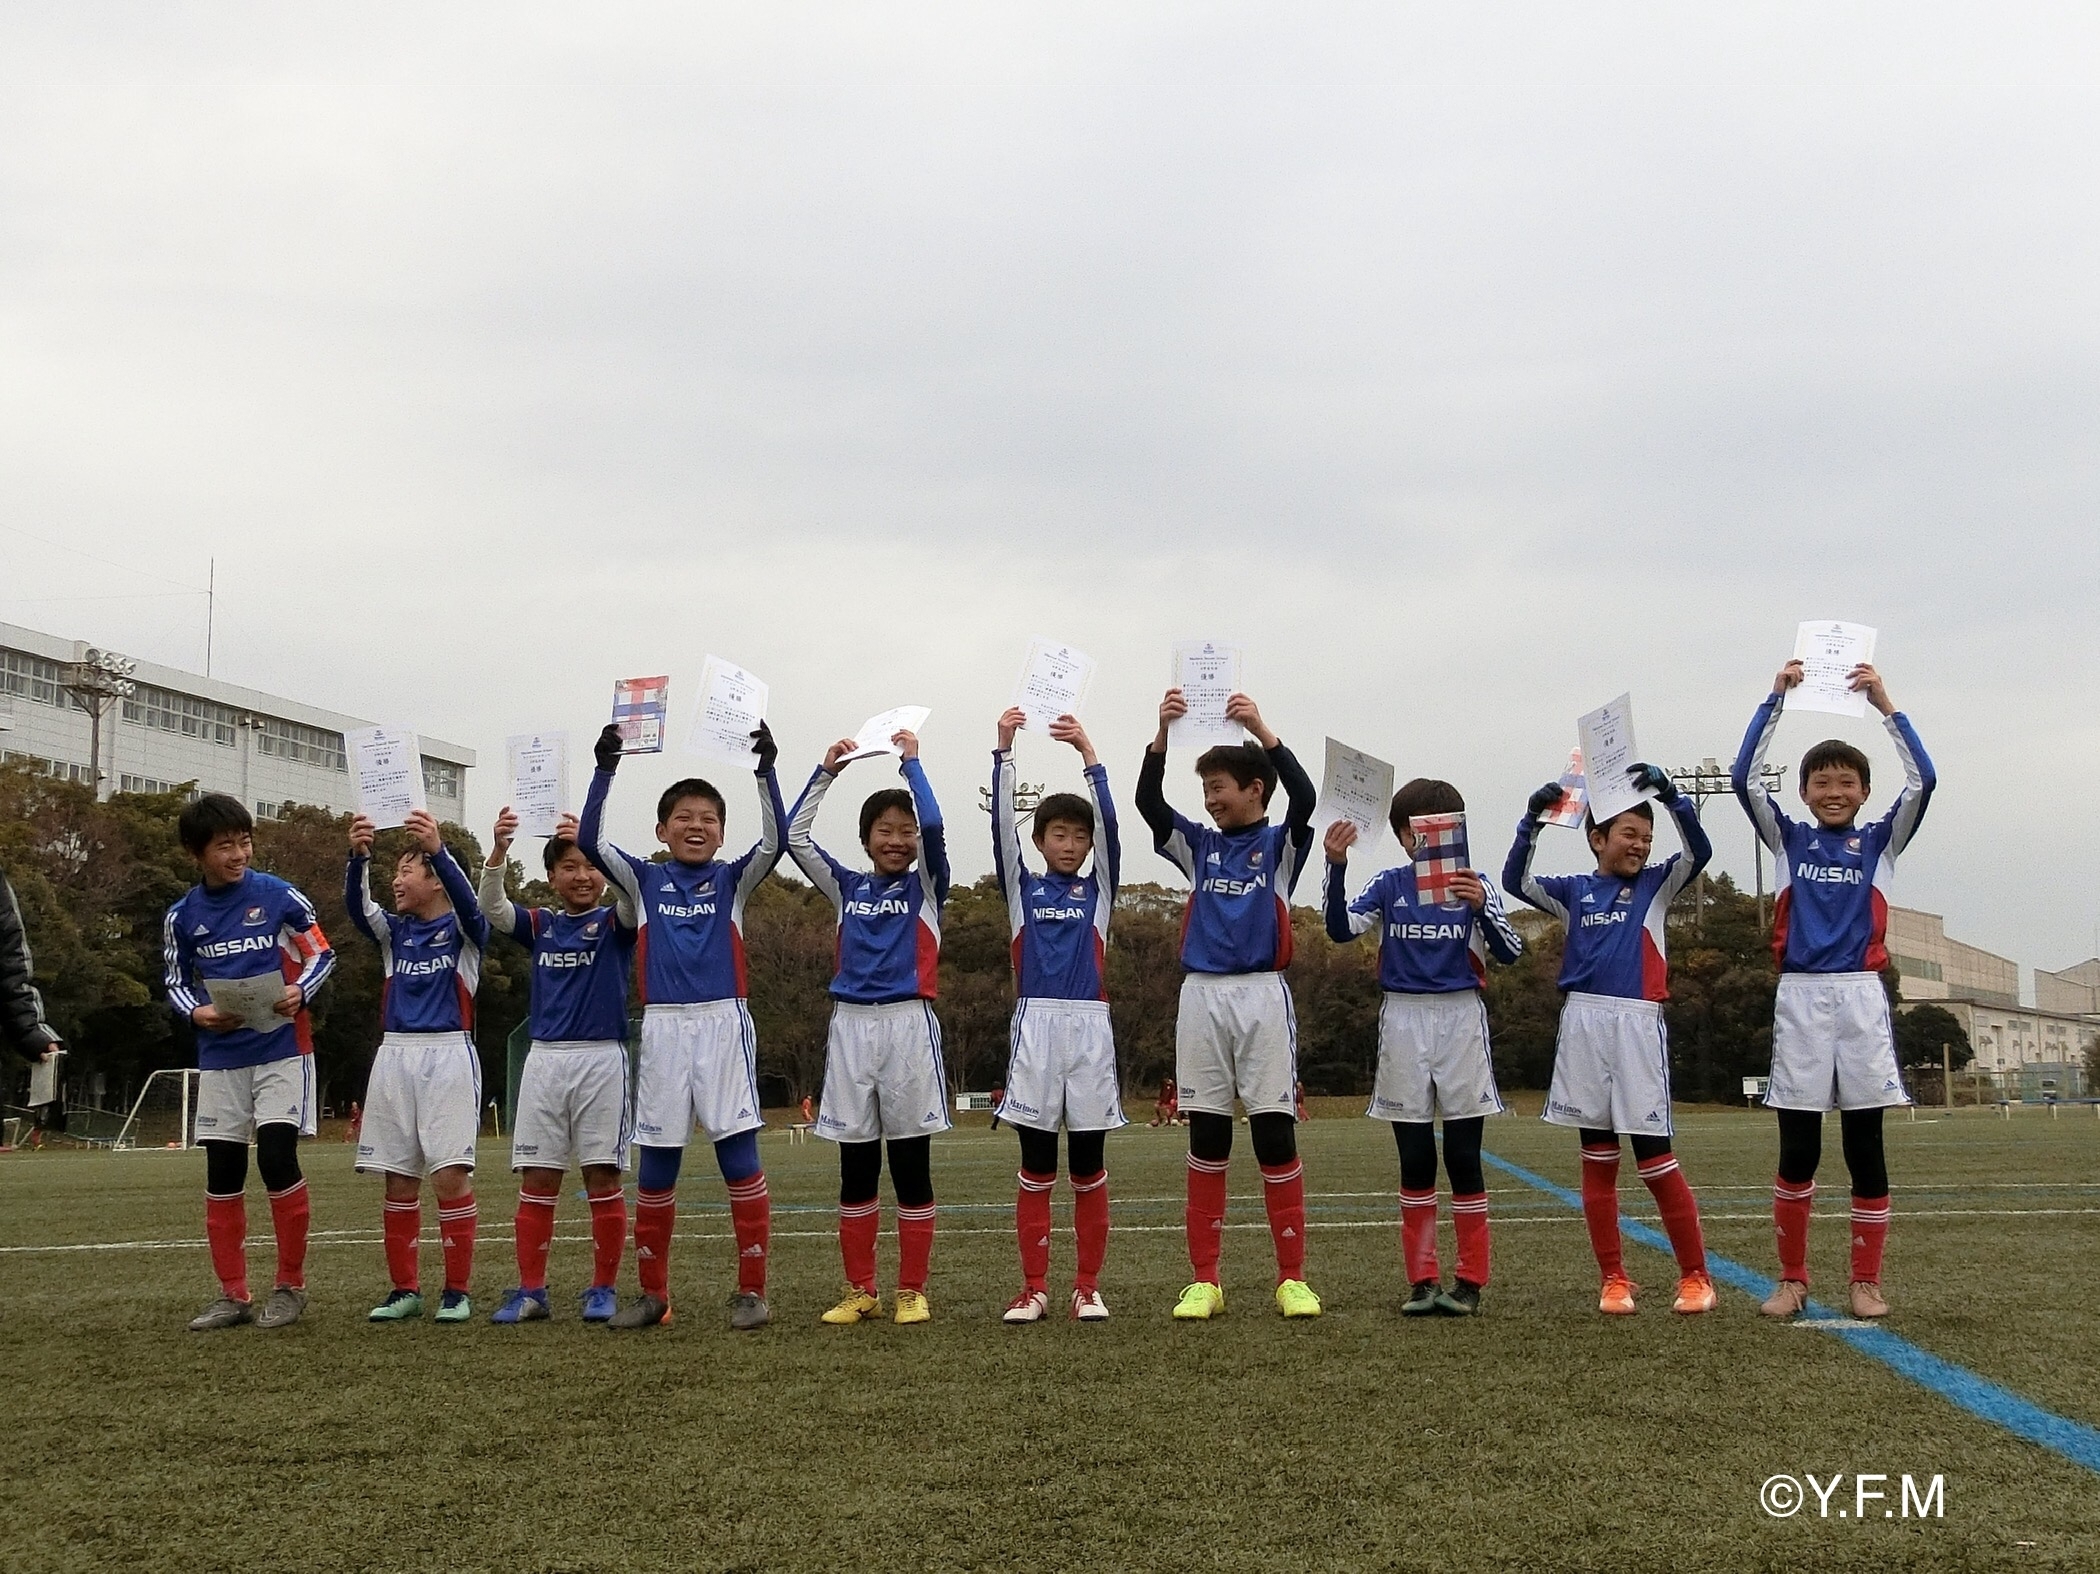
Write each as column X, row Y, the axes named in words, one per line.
column 748, row 1311
column 225, row 1312
column 282, row 1309
column 644, row 1311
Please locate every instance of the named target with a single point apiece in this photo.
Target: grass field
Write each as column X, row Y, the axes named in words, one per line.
column 1540, row 1436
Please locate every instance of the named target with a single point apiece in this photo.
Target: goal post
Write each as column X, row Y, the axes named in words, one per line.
column 164, row 1115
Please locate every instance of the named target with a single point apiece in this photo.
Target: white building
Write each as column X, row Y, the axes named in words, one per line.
column 176, row 727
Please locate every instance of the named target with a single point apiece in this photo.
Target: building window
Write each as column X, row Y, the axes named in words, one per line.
column 65, row 772
column 32, row 677
column 182, row 713
column 289, row 740
column 270, row 811
column 146, row 784
column 1912, row 967
column 440, row 778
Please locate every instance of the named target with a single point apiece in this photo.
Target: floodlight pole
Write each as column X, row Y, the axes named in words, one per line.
column 1028, row 796
column 97, row 681
column 1707, row 780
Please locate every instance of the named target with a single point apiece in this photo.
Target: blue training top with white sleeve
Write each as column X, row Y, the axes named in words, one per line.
column 433, row 965
column 1422, row 949
column 1239, row 917
column 1831, row 914
column 256, row 925
column 691, row 916
column 1059, row 922
column 579, row 963
column 889, row 925
column 1615, row 944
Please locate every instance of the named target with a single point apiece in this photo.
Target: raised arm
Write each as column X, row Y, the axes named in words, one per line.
column 1698, row 849
column 619, row 867
column 503, row 915
column 933, row 835
column 1919, row 779
column 1108, row 847
column 1747, row 775
column 1548, row 895
column 1006, row 835
column 367, row 915
column 764, row 856
column 822, row 870
column 460, row 891
column 1346, row 919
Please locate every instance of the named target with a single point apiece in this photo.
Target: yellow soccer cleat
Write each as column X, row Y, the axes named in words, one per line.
column 1295, row 1298
column 1200, row 1302
column 857, row 1307
column 912, row 1307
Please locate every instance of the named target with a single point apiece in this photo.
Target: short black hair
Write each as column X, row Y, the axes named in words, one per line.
column 1835, row 751
column 878, row 803
column 557, row 848
column 1424, row 795
column 1245, row 763
column 1067, row 807
column 691, row 787
column 211, row 816
column 1640, row 811
column 413, row 851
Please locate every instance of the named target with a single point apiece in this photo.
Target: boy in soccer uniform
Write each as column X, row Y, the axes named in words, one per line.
column 1062, row 1068
column 423, row 1099
column 572, row 1099
column 1432, row 1040
column 1235, row 1033
column 883, row 1077
column 1832, row 1041
column 1611, row 1061
column 257, row 1082
column 699, row 1061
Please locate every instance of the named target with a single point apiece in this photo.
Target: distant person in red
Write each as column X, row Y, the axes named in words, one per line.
column 1298, row 1098
column 1166, row 1109
column 808, row 1114
column 998, row 1098
column 357, row 1121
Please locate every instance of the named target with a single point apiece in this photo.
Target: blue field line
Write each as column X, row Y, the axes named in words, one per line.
column 2073, row 1440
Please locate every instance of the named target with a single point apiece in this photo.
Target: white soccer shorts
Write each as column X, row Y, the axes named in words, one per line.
column 1433, row 1059
column 1062, row 1067
column 1833, row 1045
column 883, row 1076
column 422, row 1105
column 572, row 1106
column 1236, row 1033
column 1611, row 1067
column 699, row 1069
column 232, row 1101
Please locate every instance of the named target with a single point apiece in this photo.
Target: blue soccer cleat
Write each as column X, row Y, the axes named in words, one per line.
column 599, row 1304
column 521, row 1306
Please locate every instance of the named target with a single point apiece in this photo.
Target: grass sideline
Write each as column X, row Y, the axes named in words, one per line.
column 1539, row 1437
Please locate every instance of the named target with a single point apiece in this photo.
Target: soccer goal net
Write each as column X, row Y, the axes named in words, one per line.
column 165, row 1113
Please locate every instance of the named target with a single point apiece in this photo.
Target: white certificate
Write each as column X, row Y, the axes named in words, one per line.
column 1358, row 788
column 539, row 780
column 1574, row 795
column 732, row 704
column 47, row 1078
column 388, row 764
column 1828, row 652
column 875, row 733
column 1608, row 749
column 1053, row 682
column 1208, row 674
column 253, row 1000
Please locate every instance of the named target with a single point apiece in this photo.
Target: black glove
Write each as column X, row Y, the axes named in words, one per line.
column 1653, row 778
column 1542, row 800
column 764, row 747
column 607, row 748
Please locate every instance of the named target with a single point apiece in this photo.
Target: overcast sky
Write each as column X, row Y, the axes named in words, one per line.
column 1469, row 364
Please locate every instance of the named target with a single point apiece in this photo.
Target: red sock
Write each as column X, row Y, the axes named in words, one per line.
column 456, row 1220
column 1418, row 1235
column 608, row 1236
column 1469, row 1216
column 1032, row 1227
column 1790, row 1209
column 1283, row 1189
column 226, row 1229
column 1680, row 1211
column 402, row 1227
column 858, row 1222
column 751, row 1216
column 1600, row 1208
column 914, row 1247
column 291, row 1210
column 1870, row 1232
column 535, row 1234
column 1090, row 1224
column 1205, row 1218
column 654, row 1214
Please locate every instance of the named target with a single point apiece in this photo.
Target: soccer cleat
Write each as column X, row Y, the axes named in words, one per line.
column 748, row 1310
column 1616, row 1300
column 644, row 1311
column 1295, row 1298
column 1200, row 1302
column 1786, row 1300
column 1695, row 1294
column 912, row 1307
column 520, row 1306
column 1461, row 1300
column 858, row 1306
column 1421, row 1299
column 599, row 1303
column 225, row 1312
column 282, row 1309
column 1030, row 1306
column 398, row 1307
column 1867, row 1300
column 454, row 1307
column 1088, row 1307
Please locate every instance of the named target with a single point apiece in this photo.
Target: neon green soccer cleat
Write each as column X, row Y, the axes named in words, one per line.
column 1295, row 1298
column 398, row 1307
column 1200, row 1302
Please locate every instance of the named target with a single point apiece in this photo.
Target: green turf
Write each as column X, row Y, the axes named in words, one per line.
column 1539, row 1437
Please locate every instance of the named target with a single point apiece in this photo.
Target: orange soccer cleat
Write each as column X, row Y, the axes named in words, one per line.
column 1617, row 1299
column 1695, row 1294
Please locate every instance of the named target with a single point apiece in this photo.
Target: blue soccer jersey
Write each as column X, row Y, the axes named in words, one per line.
column 432, row 965
column 691, row 916
column 1831, row 914
column 1059, row 922
column 1616, row 945
column 259, row 924
column 1239, row 917
column 889, row 926
column 1423, row 949
column 579, row 963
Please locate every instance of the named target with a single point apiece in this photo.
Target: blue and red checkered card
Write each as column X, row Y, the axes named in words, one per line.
column 1440, row 853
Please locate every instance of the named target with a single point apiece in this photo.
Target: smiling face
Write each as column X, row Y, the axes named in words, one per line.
column 416, row 885
column 226, row 857
column 1622, row 845
column 576, row 882
column 1834, row 795
column 893, row 841
column 1064, row 845
column 693, row 831
column 1229, row 804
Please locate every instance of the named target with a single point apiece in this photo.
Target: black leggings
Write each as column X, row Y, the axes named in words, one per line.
column 276, row 1160
column 1417, row 1140
column 1644, row 1148
column 1275, row 1137
column 1039, row 1151
column 911, row 1171
column 1801, row 1149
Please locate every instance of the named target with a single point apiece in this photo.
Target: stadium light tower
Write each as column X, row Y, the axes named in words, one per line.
column 97, row 681
column 1709, row 779
column 1028, row 796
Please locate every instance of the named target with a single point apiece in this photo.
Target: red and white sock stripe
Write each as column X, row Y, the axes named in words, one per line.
column 1283, row 1175
column 749, row 1190
column 1034, row 1183
column 1090, row 1183
column 1477, row 1203
column 1656, row 1168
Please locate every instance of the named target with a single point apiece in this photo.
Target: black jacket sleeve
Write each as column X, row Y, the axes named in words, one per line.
column 22, row 1024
